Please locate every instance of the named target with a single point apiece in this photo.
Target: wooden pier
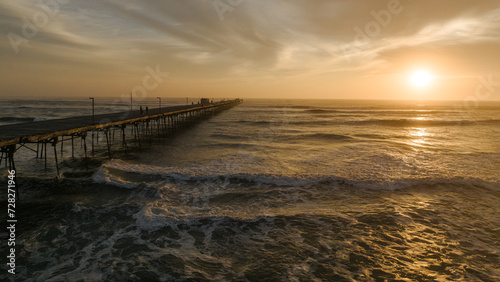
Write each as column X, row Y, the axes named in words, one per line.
column 158, row 122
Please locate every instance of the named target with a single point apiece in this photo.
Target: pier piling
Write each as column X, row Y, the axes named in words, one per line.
column 167, row 121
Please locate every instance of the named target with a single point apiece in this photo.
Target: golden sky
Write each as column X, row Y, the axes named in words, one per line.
column 357, row 49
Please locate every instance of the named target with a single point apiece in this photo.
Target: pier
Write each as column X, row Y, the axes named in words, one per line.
column 139, row 126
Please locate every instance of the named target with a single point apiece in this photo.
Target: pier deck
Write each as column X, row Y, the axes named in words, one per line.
column 42, row 130
column 15, row 136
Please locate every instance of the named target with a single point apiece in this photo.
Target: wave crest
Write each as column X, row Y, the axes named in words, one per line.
column 128, row 175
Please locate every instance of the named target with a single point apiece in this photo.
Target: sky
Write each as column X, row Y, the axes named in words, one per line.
column 321, row 49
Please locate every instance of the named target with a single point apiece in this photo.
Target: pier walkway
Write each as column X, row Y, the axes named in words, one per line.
column 155, row 122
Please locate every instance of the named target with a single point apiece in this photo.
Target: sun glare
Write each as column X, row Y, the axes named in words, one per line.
column 421, row 78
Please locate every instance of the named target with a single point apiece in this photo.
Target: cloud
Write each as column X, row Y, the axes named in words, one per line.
column 256, row 39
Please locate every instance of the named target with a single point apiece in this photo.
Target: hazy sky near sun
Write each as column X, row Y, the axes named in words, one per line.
column 250, row 48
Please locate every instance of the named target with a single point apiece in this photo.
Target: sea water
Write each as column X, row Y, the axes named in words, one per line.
column 270, row 190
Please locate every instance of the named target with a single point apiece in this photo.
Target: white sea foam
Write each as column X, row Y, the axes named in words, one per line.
column 104, row 177
column 151, row 219
column 212, row 175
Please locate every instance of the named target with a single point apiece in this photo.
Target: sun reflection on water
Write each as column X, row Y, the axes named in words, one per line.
column 419, row 136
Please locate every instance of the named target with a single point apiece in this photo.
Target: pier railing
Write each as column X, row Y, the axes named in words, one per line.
column 165, row 122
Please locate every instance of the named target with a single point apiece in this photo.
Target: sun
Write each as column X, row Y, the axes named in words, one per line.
column 421, row 78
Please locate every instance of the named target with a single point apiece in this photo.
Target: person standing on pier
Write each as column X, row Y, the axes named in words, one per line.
column 140, row 109
column 147, row 110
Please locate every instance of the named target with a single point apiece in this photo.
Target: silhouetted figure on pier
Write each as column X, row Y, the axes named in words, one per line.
column 147, row 110
column 140, row 109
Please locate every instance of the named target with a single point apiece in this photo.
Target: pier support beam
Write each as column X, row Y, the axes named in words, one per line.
column 141, row 127
column 108, row 141
column 45, row 153
column 84, row 139
column 124, row 139
column 41, row 149
column 137, row 134
column 62, row 149
column 54, row 144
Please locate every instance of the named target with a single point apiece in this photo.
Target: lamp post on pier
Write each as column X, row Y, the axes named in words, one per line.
column 159, row 102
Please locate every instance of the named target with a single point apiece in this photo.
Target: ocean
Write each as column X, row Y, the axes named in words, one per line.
column 270, row 190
